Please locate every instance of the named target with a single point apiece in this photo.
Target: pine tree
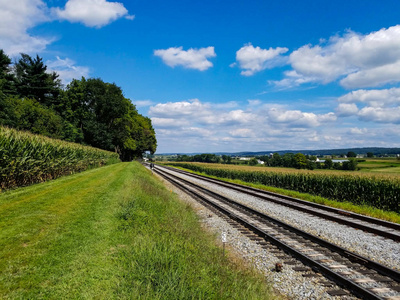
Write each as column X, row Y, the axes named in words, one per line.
column 34, row 82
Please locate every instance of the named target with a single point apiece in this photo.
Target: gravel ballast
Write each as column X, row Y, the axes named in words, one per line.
column 288, row 282
column 379, row 249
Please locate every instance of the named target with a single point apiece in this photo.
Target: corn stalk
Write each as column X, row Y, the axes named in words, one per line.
column 26, row 158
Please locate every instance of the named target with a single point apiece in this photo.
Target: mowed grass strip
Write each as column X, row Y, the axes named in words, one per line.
column 112, row 233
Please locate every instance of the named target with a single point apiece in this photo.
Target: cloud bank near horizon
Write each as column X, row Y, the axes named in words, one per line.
column 206, row 126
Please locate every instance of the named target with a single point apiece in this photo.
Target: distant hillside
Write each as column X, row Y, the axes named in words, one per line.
column 377, row 151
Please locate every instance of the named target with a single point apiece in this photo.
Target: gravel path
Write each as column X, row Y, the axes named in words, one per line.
column 290, row 283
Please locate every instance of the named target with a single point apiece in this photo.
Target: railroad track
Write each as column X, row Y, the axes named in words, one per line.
column 376, row 226
column 363, row 277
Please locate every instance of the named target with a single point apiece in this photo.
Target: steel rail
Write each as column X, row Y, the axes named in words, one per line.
column 309, row 207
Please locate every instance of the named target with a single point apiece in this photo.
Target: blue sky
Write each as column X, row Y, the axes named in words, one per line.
column 230, row 75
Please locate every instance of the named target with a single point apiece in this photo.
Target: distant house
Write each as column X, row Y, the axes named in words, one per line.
column 260, row 162
column 244, row 158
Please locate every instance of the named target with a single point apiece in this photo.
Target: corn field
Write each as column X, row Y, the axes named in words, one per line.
column 383, row 193
column 27, row 158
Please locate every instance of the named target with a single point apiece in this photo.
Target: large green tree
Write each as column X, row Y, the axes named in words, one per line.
column 34, row 82
column 7, row 78
column 351, row 154
column 107, row 119
column 300, row 161
column 30, row 115
column 276, row 160
column 88, row 111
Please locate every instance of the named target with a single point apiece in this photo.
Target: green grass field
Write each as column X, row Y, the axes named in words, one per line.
column 390, row 166
column 112, row 233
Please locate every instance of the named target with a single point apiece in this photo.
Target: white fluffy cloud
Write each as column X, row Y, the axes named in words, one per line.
column 227, row 118
column 142, row 103
column 16, row 18
column 67, row 69
column 380, row 115
column 243, row 133
column 92, row 13
column 358, row 60
column 346, row 109
column 297, row 118
column 375, row 98
column 191, row 107
column 169, row 122
column 207, row 114
column 191, row 59
column 192, row 126
column 254, row 59
column 380, row 106
column 359, row 131
column 318, row 63
column 199, row 113
column 196, row 126
column 372, row 77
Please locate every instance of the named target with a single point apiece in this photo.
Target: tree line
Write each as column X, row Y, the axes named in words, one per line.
column 302, row 161
column 86, row 111
column 288, row 160
column 205, row 157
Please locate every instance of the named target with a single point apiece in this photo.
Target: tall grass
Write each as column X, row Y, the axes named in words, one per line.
column 382, row 193
column 26, row 158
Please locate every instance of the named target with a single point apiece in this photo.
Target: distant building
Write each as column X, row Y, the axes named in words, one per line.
column 244, row 158
column 260, row 162
column 334, row 160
